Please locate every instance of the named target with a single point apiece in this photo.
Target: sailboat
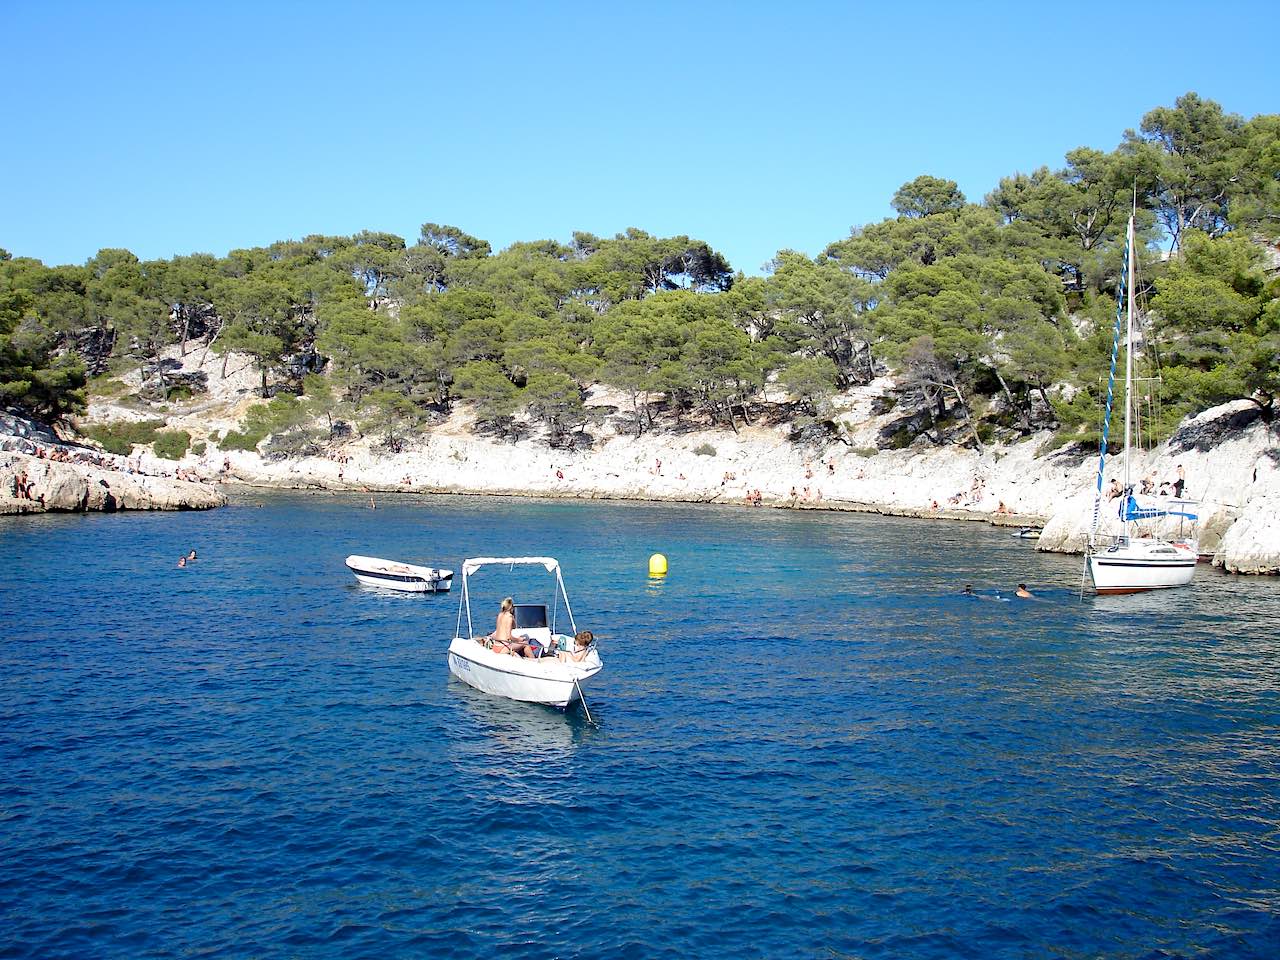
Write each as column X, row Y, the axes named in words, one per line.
column 1134, row 561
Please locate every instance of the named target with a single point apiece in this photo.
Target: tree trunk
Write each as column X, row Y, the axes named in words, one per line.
column 1024, row 414
column 933, row 420
column 973, row 427
column 635, row 408
column 1044, row 395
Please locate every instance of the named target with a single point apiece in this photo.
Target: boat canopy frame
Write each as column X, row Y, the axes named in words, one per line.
column 474, row 564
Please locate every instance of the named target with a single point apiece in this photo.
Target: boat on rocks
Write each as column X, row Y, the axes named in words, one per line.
column 1135, row 560
column 547, row 679
column 395, row 575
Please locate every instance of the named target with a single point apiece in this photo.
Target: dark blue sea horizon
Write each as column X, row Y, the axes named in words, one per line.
column 809, row 743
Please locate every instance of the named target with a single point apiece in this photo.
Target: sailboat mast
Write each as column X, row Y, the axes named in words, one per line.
column 1128, row 361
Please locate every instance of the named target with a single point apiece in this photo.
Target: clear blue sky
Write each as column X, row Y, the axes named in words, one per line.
column 172, row 128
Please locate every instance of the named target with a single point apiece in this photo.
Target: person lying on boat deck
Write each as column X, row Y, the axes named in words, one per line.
column 503, row 640
column 582, row 643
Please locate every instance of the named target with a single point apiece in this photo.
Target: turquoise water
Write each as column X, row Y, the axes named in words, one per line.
column 809, row 744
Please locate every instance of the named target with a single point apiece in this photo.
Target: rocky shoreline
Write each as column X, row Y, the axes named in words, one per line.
column 1234, row 480
column 42, row 473
column 1230, row 458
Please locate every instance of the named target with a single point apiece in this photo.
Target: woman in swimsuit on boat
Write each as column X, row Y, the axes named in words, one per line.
column 503, row 640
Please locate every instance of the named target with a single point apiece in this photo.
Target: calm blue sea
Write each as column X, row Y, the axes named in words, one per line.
column 809, row 744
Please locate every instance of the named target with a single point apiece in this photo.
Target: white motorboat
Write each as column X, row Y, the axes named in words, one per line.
column 1136, row 560
column 547, row 680
column 394, row 575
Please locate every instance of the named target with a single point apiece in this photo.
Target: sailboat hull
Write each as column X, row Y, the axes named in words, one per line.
column 1143, row 564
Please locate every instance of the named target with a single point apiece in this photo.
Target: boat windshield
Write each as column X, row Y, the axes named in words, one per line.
column 531, row 615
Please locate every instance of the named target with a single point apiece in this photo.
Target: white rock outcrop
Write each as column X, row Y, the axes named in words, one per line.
column 1252, row 545
column 37, row 485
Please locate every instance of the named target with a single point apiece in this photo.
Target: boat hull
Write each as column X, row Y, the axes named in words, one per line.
column 546, row 681
column 394, row 575
column 405, row 585
column 1143, row 565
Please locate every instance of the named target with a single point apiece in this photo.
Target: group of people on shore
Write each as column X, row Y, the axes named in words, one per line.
column 505, row 640
column 22, row 486
column 103, row 461
column 1151, row 486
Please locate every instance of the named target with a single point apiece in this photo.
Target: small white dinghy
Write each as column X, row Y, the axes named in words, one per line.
column 394, row 575
column 546, row 680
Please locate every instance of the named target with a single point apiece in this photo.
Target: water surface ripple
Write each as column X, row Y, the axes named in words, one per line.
column 809, row 744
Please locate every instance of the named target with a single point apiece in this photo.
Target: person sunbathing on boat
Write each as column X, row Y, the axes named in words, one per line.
column 582, row 645
column 503, row 639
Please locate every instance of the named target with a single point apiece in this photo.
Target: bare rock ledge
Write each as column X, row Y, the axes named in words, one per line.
column 78, row 487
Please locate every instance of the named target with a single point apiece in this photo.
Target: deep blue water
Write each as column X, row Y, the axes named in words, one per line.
column 809, row 744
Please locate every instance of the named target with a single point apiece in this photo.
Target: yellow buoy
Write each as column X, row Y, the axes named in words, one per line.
column 657, row 565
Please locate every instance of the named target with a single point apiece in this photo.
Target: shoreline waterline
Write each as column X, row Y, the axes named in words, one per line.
column 1011, row 520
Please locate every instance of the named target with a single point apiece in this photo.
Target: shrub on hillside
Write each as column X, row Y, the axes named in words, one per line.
column 705, row 450
column 172, row 444
column 120, row 436
column 248, row 440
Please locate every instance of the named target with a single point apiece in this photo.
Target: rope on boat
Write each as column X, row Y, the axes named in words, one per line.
column 583, row 699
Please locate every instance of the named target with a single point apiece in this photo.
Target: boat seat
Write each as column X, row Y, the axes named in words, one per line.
column 541, row 634
column 531, row 620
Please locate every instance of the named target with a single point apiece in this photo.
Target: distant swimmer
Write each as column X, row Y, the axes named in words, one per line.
column 182, row 561
column 1023, row 592
column 968, row 590
column 191, row 555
